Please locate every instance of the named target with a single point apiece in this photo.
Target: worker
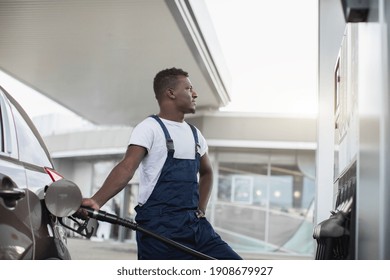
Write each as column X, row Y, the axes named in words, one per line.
column 175, row 173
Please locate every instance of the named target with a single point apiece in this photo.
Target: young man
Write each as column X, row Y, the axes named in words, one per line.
column 175, row 176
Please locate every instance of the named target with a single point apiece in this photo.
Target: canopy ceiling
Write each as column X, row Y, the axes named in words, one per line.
column 98, row 58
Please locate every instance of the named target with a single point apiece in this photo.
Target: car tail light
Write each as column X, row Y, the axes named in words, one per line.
column 54, row 175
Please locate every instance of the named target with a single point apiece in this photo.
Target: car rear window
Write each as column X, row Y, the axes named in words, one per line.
column 30, row 147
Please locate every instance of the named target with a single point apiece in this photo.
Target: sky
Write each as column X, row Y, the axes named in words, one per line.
column 270, row 49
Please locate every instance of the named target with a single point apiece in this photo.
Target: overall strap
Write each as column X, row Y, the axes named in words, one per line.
column 170, row 145
column 197, row 146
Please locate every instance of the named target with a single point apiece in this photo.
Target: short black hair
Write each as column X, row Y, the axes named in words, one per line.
column 166, row 79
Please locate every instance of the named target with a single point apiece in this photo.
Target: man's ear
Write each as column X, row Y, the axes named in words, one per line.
column 170, row 93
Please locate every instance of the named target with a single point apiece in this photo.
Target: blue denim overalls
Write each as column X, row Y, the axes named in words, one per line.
column 170, row 211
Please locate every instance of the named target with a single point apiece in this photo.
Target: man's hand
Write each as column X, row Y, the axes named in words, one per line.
column 200, row 214
column 87, row 202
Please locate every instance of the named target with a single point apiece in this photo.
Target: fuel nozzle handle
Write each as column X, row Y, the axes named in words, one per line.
column 100, row 215
column 109, row 218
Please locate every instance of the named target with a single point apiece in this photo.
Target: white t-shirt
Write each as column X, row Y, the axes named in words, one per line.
column 150, row 135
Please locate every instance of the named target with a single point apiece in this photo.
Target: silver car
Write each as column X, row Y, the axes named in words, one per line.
column 28, row 230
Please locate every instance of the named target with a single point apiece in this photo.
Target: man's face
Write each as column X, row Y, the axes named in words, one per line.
column 185, row 95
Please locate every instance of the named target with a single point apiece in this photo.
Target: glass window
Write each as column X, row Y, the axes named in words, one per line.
column 30, row 148
column 8, row 143
column 242, row 200
column 292, row 194
column 264, row 201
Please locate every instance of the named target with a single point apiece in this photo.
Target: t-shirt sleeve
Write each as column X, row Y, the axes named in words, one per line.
column 142, row 135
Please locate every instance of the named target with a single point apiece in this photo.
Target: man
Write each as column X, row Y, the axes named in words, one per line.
column 170, row 154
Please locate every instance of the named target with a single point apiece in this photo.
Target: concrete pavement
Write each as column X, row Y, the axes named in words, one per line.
column 95, row 249
column 98, row 249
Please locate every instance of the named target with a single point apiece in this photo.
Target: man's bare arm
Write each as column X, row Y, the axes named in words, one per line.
column 118, row 178
column 205, row 182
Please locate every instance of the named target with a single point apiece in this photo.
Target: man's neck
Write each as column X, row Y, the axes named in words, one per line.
column 176, row 117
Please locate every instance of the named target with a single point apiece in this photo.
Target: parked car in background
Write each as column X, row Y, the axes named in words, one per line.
column 27, row 229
